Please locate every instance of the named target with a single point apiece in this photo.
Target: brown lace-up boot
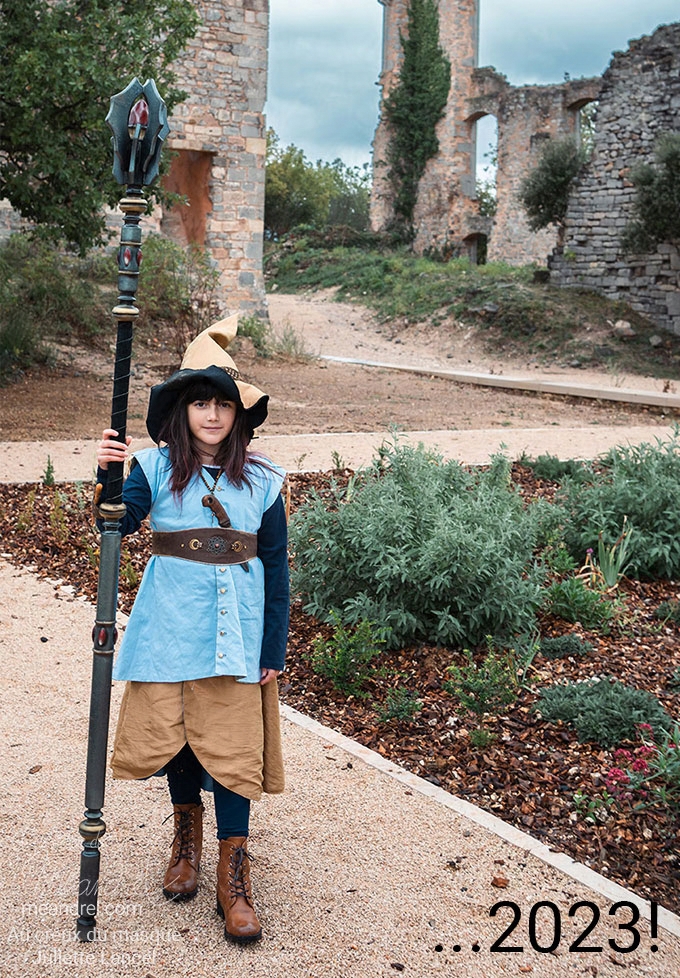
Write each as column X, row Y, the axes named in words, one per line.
column 181, row 878
column 234, row 896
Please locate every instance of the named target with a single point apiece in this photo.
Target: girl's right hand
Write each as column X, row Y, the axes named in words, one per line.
column 110, row 450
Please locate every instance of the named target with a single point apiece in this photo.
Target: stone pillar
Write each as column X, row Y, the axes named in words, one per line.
column 447, row 188
column 219, row 136
column 446, row 194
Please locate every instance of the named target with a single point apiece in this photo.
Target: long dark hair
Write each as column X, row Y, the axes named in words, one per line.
column 232, row 455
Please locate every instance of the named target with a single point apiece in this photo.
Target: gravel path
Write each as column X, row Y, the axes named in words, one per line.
column 358, row 872
column 361, row 869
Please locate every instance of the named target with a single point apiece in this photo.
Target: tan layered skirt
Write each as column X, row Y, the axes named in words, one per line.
column 233, row 729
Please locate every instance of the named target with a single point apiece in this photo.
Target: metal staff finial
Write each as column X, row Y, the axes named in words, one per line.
column 139, row 122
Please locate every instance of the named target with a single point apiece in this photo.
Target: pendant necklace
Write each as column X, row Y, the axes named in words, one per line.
column 214, row 487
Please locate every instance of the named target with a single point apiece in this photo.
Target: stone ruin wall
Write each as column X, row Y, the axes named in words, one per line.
column 639, row 98
column 446, row 216
column 218, row 137
column 640, row 101
column 527, row 116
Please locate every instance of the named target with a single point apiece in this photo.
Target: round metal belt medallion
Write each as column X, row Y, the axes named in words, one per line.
column 217, row 545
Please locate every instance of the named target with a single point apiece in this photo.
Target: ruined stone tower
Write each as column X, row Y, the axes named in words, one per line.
column 218, row 136
column 447, row 215
column 446, row 194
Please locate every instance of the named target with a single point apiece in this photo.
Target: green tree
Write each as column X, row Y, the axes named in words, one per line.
column 544, row 193
column 321, row 194
column 60, row 62
column 657, row 203
column 414, row 107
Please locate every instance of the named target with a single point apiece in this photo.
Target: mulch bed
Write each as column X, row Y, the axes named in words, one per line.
column 530, row 770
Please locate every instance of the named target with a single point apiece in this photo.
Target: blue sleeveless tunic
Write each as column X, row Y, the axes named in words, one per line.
column 192, row 620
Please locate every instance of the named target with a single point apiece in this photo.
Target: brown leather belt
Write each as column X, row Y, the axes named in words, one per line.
column 207, row 545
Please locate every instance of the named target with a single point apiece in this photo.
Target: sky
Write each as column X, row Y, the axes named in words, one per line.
column 325, row 57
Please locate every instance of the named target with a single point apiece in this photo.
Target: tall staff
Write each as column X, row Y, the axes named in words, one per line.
column 139, row 122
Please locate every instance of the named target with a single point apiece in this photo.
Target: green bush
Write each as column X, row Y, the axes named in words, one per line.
column 400, row 704
column 656, row 206
column 426, row 549
column 669, row 611
column 604, row 711
column 640, row 483
column 554, row 469
column 21, row 344
column 46, row 294
column 562, row 646
column 544, row 193
column 488, row 686
column 179, row 286
column 346, row 657
column 573, row 601
column 258, row 331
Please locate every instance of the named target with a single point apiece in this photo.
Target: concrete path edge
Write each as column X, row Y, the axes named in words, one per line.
column 558, row 860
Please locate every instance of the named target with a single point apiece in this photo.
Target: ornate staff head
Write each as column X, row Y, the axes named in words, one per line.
column 138, row 119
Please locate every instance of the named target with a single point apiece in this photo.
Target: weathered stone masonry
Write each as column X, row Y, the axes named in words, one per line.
column 447, row 215
column 640, row 101
column 219, row 136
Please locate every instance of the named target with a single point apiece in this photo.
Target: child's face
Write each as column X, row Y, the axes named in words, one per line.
column 210, row 422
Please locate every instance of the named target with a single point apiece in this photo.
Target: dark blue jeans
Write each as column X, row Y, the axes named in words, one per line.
column 185, row 776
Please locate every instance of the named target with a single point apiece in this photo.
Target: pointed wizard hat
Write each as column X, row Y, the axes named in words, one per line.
column 206, row 358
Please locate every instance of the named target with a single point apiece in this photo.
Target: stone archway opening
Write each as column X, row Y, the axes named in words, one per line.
column 485, row 138
column 585, row 112
column 476, row 247
column 189, row 177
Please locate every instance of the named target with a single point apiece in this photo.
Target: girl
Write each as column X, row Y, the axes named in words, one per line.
column 207, row 634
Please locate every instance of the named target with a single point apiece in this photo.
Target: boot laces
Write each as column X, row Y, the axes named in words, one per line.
column 184, row 836
column 239, row 886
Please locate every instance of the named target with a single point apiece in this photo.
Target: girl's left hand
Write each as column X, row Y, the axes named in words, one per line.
column 268, row 675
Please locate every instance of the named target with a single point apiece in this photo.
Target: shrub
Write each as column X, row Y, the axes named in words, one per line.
column 604, row 711
column 669, row 611
column 562, row 646
column 258, row 331
column 429, row 551
column 573, row 601
column 554, row 469
column 345, row 658
column 657, row 202
column 180, row 290
column 45, row 294
column 488, row 686
column 400, row 704
column 641, row 483
column 544, row 193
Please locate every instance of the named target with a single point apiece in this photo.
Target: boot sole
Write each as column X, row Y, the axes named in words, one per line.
column 234, row 938
column 179, row 897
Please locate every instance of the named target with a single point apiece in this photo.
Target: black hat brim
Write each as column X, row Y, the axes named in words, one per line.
column 163, row 397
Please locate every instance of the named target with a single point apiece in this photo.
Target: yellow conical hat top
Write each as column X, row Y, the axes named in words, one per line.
column 209, row 348
column 207, row 356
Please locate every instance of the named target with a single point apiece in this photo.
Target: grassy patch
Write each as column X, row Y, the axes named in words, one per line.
column 512, row 313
